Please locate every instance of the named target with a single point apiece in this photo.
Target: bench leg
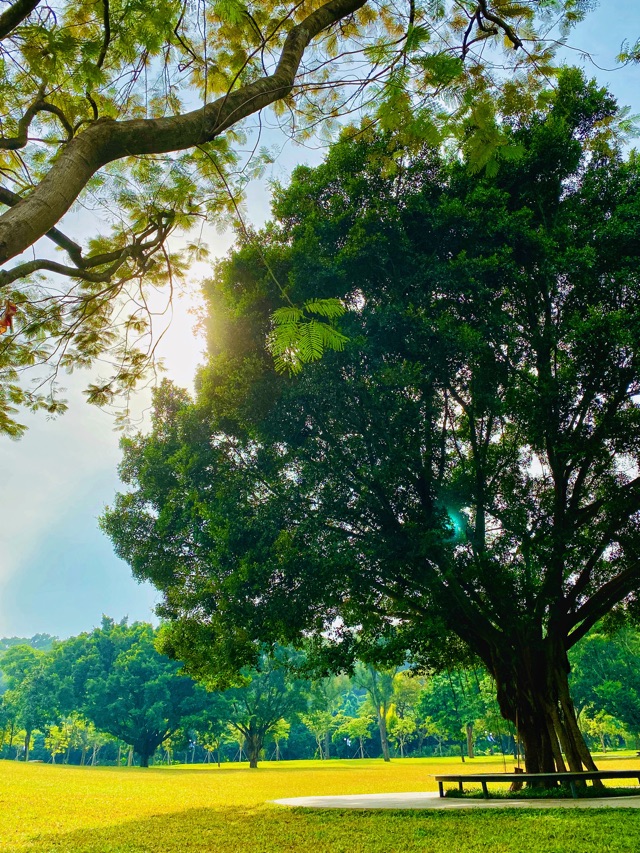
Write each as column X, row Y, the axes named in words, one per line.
column 485, row 792
column 574, row 790
column 441, row 789
column 460, row 788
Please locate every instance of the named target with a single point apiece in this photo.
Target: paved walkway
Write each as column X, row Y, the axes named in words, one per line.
column 431, row 800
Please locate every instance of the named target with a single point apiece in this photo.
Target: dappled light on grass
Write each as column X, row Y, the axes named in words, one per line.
column 202, row 808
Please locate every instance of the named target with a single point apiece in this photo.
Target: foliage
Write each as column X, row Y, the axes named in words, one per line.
column 136, row 116
column 606, row 680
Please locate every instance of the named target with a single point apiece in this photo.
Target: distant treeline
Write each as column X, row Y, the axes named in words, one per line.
column 108, row 697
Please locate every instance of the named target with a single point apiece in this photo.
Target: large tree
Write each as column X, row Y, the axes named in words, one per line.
column 136, row 114
column 463, row 478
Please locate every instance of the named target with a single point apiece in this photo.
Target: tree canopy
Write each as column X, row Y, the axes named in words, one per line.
column 463, row 477
column 136, row 115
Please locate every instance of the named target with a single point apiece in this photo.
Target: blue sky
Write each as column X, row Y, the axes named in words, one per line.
column 58, row 573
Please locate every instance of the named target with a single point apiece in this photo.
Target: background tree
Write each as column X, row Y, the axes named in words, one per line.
column 326, row 697
column 606, row 680
column 462, row 480
column 117, row 680
column 379, row 687
column 400, row 730
column 32, row 690
column 603, row 727
column 355, row 729
column 270, row 692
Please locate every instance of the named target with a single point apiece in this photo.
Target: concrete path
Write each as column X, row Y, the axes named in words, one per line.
column 431, row 800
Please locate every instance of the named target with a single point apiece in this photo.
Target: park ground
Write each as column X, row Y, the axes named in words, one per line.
column 192, row 809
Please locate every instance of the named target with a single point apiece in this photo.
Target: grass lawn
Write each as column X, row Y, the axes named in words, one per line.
column 187, row 809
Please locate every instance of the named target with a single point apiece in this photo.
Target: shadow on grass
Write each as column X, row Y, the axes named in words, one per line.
column 560, row 792
column 270, row 829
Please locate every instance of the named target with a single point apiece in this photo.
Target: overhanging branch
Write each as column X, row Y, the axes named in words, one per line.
column 14, row 15
column 107, row 140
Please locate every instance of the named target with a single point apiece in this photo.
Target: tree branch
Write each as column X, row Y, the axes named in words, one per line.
column 14, row 143
column 107, row 33
column 14, row 15
column 116, row 259
column 107, row 140
column 73, row 249
column 601, row 603
column 491, row 16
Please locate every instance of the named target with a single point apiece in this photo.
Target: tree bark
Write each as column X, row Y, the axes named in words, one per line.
column 252, row 746
column 327, row 744
column 470, row 752
column 384, row 740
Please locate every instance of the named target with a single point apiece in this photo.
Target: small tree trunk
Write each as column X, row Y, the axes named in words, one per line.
column 327, row 744
column 130, row 757
column 470, row 752
column 384, row 740
column 253, row 745
column 27, row 744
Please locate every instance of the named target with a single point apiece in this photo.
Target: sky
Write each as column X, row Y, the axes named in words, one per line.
column 58, row 572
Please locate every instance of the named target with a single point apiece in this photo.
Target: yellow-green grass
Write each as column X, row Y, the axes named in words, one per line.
column 186, row 809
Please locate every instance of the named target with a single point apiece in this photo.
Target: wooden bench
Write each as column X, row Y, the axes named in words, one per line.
column 570, row 777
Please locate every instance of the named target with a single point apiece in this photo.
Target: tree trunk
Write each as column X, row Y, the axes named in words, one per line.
column 384, row 740
column 470, row 752
column 252, row 746
column 27, row 744
column 533, row 694
column 327, row 744
column 144, row 759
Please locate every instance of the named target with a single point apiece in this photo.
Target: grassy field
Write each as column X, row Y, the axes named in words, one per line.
column 47, row 808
